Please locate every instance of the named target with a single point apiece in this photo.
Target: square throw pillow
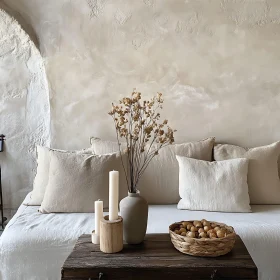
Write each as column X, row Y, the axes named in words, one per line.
column 76, row 181
column 213, row 186
column 42, row 174
column 159, row 183
column 263, row 178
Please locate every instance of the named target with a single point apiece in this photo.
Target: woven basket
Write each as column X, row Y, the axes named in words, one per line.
column 203, row 247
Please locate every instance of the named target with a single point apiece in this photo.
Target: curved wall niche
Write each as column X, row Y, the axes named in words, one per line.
column 24, row 109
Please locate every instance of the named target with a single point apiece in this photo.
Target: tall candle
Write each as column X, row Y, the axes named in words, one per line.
column 113, row 195
column 98, row 207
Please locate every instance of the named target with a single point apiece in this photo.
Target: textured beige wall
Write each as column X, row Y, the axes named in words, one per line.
column 217, row 63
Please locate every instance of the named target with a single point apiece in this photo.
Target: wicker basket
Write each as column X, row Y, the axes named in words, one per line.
column 203, row 247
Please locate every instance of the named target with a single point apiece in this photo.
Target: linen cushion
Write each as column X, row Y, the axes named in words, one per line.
column 101, row 147
column 263, row 178
column 42, row 174
column 76, row 181
column 213, row 186
column 159, row 183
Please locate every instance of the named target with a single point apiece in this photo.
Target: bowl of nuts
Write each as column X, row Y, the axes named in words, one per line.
column 202, row 238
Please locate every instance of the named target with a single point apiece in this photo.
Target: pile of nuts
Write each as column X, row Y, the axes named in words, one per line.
column 201, row 229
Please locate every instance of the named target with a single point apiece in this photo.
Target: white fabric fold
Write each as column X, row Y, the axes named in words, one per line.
column 35, row 246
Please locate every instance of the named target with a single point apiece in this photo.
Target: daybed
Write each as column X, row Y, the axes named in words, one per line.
column 34, row 245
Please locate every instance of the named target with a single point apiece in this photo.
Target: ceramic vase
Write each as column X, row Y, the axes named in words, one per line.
column 134, row 211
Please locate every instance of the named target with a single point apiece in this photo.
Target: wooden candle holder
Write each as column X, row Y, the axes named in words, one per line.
column 111, row 235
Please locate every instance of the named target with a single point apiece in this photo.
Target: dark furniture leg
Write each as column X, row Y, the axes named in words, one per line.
column 3, row 219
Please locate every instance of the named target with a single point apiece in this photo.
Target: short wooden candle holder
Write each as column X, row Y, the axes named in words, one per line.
column 111, row 235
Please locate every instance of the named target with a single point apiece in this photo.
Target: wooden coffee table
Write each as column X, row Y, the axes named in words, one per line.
column 155, row 259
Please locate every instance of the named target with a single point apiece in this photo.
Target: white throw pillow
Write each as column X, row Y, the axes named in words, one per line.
column 214, row 186
column 76, row 181
column 263, row 178
column 42, row 174
column 159, row 184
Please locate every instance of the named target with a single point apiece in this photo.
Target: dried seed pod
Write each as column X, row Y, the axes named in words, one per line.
column 206, row 223
column 191, row 234
column 182, row 230
column 203, row 235
column 185, row 224
column 198, row 225
column 193, row 229
column 206, row 228
column 212, row 235
column 220, row 233
column 201, row 230
column 189, row 226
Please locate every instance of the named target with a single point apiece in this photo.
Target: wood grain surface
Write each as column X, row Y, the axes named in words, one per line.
column 155, row 258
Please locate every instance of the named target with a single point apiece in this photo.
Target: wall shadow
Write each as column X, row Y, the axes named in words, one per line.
column 25, row 26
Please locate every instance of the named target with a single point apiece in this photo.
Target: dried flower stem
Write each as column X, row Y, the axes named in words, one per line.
column 138, row 122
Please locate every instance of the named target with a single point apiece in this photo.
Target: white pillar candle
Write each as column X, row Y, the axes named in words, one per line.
column 113, row 195
column 98, row 207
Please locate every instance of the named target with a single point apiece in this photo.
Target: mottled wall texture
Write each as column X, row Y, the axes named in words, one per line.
column 216, row 62
column 24, row 108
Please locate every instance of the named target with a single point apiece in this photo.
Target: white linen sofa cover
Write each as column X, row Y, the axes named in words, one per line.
column 35, row 246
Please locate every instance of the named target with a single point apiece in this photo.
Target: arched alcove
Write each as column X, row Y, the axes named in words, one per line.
column 24, row 109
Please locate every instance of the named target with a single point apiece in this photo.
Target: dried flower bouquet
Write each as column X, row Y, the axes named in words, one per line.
column 138, row 122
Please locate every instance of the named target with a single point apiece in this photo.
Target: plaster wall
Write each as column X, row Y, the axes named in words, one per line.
column 216, row 62
column 24, row 109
